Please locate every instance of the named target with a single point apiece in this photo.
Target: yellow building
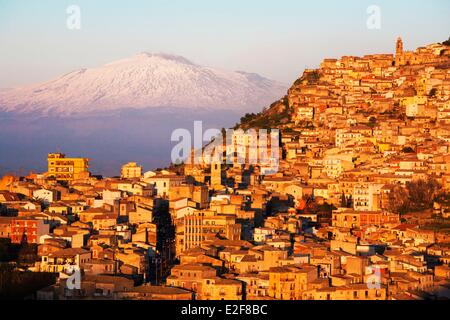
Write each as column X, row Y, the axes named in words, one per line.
column 205, row 225
column 131, row 170
column 67, row 169
column 203, row 280
column 216, row 175
column 221, row 289
column 60, row 260
column 345, row 293
column 290, row 282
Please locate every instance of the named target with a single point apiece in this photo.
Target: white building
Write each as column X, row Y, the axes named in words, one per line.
column 46, row 196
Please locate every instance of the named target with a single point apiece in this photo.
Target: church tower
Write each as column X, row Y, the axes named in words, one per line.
column 399, row 47
column 398, row 52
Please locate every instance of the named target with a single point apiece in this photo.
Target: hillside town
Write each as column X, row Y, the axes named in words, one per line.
column 358, row 209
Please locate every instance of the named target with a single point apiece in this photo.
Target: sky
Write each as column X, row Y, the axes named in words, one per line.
column 275, row 38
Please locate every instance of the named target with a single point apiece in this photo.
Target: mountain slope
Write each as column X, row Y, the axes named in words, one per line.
column 143, row 81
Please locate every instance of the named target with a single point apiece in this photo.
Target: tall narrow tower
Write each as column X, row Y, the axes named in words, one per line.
column 399, row 46
column 398, row 51
column 216, row 174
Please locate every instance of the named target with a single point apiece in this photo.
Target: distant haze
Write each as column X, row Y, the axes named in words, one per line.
column 109, row 140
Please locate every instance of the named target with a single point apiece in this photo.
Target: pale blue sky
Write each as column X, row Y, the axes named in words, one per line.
column 276, row 38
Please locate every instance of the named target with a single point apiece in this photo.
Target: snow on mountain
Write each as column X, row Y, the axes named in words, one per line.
column 143, row 81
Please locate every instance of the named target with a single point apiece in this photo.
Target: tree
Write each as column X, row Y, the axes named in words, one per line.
column 343, row 201
column 408, row 150
column 27, row 254
column 433, row 92
column 416, row 196
column 350, row 201
column 8, row 251
column 16, row 285
column 422, row 193
column 398, row 200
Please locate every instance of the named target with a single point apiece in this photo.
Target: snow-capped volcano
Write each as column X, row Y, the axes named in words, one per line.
column 144, row 81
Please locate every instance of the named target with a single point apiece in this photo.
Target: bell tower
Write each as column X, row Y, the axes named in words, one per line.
column 398, row 51
column 399, row 47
